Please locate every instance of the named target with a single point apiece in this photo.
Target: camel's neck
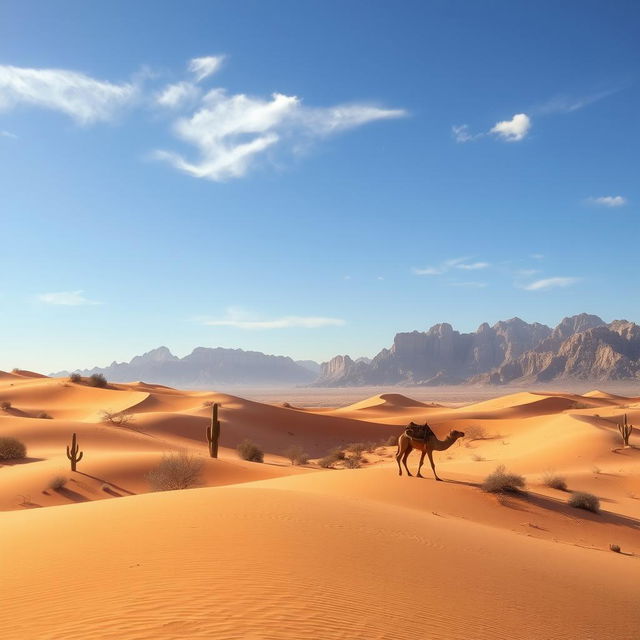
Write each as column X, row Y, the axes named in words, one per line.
column 441, row 445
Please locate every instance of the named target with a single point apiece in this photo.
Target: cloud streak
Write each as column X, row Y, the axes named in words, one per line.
column 550, row 283
column 203, row 67
column 608, row 201
column 66, row 298
column 286, row 322
column 75, row 94
column 448, row 265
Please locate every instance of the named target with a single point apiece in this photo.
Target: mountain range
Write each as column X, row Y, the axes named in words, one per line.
column 581, row 347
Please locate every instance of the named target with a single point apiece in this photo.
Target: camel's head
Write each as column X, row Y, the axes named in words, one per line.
column 456, row 434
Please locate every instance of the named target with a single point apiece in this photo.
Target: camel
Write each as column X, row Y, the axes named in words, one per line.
column 406, row 444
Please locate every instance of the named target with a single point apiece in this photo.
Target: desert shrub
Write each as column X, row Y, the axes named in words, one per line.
column 337, row 453
column 555, row 481
column 117, row 418
column 97, row 380
column 44, row 415
column 356, row 447
column 353, row 461
column 180, row 470
column 500, row 480
column 250, row 451
column 371, row 447
column 5, row 405
column 595, row 469
column 57, row 482
column 75, row 377
column 327, row 462
column 296, row 454
column 477, row 458
column 12, row 448
column 586, row 501
column 615, row 548
column 391, row 441
column 474, row 432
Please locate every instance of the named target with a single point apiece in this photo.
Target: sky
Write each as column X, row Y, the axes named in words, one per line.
column 310, row 178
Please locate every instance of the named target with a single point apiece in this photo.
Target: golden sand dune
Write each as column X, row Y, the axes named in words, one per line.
column 279, row 551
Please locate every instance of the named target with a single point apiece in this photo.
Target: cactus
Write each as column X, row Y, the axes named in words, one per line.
column 72, row 453
column 213, row 432
column 625, row 430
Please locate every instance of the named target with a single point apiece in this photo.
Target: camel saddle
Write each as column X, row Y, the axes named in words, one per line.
column 419, row 431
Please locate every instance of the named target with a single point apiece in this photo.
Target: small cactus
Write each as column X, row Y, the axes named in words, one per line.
column 625, row 430
column 72, row 453
column 213, row 432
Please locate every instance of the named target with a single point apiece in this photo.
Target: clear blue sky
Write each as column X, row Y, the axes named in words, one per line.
column 308, row 178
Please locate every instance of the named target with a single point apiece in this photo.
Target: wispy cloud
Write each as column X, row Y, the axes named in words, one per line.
column 177, row 95
column 608, row 201
column 79, row 96
column 448, row 265
column 550, row 283
column 230, row 132
column 8, row 134
column 241, row 319
column 478, row 285
column 205, row 66
column 66, row 298
column 565, row 103
column 513, row 130
column 461, row 133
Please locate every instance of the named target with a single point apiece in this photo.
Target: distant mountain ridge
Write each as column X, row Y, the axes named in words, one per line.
column 205, row 367
column 581, row 347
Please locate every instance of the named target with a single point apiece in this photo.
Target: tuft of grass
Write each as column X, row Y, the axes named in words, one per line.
column 250, row 451
column 477, row 458
column 596, row 469
column 586, row 501
column 180, row 470
column 500, row 481
column 296, row 454
column 12, row 448
column 555, row 481
column 615, row 548
column 118, row 418
column 5, row 405
column 57, row 482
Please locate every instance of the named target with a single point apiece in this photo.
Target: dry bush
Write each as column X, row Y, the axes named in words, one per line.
column 500, row 480
column 371, row 447
column 474, row 432
column 180, row 470
column 97, row 380
column 250, row 451
column 353, row 461
column 337, row 453
column 12, row 448
column 327, row 462
column 57, row 482
column 44, row 415
column 117, row 418
column 615, row 548
column 5, row 405
column 392, row 441
column 555, row 481
column 75, row 377
column 477, row 458
column 356, row 447
column 296, row 454
column 586, row 501
column 595, row 469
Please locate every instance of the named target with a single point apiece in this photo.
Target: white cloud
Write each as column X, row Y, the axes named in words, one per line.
column 447, row 265
column 537, row 256
column 478, row 285
column 567, row 104
column 205, row 66
column 178, row 94
column 608, row 201
column 66, row 298
column 514, row 129
column 461, row 133
column 550, row 283
column 231, row 131
column 240, row 321
column 8, row 134
column 79, row 96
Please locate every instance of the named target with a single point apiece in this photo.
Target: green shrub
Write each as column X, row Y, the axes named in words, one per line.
column 176, row 471
column 12, row 449
column 586, row 501
column 500, row 480
column 250, row 451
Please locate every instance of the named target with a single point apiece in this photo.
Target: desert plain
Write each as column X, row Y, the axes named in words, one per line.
column 275, row 550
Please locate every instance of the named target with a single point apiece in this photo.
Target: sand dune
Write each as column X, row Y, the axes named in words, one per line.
column 276, row 551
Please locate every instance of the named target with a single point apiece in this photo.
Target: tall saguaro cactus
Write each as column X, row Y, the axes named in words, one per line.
column 72, row 453
column 213, row 432
column 625, row 430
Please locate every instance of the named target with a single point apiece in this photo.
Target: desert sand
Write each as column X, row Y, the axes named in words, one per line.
column 279, row 551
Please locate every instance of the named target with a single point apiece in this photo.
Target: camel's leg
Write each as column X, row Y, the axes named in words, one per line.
column 419, row 475
column 433, row 466
column 405, row 456
column 399, row 454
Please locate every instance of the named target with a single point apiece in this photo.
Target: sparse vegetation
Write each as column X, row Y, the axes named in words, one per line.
column 57, row 482
column 118, row 418
column 625, row 430
column 73, row 452
column 477, row 458
column 12, row 448
column 5, row 405
column 555, row 481
column 44, row 415
column 392, row 441
column 615, row 548
column 337, row 453
column 354, row 461
column 596, row 470
column 500, row 481
column 327, row 462
column 356, row 447
column 586, row 501
column 250, row 451
column 474, row 432
column 97, row 380
column 296, row 454
column 180, row 470
column 75, row 377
